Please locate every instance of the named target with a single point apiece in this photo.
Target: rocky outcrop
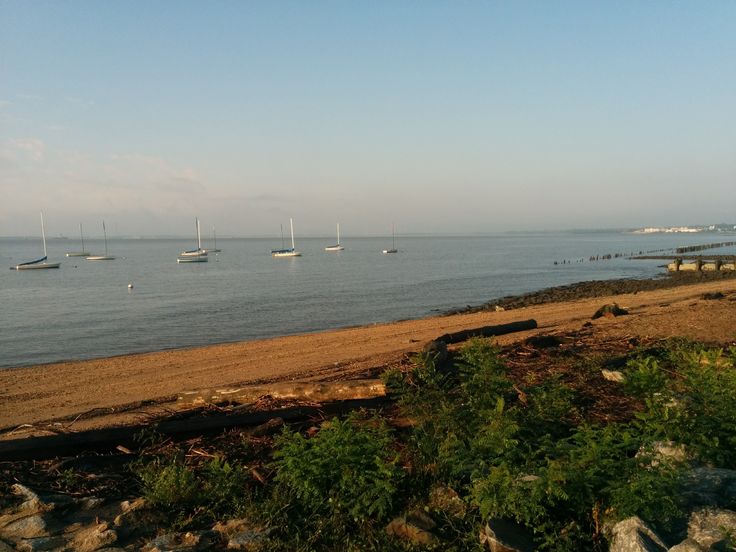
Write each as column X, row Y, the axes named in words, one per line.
column 633, row 535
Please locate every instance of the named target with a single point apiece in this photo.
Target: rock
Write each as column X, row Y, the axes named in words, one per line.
column 713, row 295
column 93, row 538
column 661, row 451
column 499, row 535
column 447, row 500
column 609, row 311
column 90, row 503
column 714, row 487
column 613, row 375
column 249, row 540
column 711, row 527
column 4, row 547
column 26, row 528
column 171, row 542
column 128, row 506
column 633, row 535
column 688, row 545
column 415, row 528
column 436, row 350
column 42, row 544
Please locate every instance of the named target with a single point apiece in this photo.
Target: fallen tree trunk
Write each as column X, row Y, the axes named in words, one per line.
column 52, row 446
column 310, row 391
column 488, row 331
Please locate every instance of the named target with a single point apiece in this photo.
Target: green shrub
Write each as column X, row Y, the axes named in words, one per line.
column 347, row 471
column 169, row 484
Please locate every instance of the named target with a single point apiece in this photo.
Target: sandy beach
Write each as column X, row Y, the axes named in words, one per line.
column 123, row 389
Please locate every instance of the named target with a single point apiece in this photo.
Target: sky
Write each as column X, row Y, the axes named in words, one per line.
column 443, row 117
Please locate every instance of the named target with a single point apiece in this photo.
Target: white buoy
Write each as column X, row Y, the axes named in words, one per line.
column 130, row 286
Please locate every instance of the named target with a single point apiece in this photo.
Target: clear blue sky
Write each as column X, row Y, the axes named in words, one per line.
column 445, row 117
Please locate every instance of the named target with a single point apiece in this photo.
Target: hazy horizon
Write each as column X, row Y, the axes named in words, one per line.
column 445, row 118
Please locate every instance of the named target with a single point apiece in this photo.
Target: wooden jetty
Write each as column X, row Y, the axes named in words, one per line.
column 695, row 263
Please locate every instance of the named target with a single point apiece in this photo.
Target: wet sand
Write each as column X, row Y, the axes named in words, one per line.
column 115, row 390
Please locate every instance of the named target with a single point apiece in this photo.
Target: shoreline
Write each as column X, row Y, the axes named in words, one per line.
column 121, row 389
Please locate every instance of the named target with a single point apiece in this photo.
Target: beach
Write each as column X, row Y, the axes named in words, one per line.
column 131, row 388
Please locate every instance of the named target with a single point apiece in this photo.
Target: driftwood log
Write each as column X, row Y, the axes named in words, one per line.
column 488, row 331
column 53, row 446
column 310, row 391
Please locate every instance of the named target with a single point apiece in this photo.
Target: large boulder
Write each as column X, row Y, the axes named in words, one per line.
column 714, row 487
column 633, row 535
column 415, row 527
column 500, row 535
column 712, row 528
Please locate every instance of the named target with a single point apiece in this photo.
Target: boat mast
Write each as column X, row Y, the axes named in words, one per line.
column 393, row 236
column 282, row 237
column 291, row 222
column 43, row 235
column 81, row 235
column 338, row 233
column 104, row 233
column 214, row 234
column 199, row 238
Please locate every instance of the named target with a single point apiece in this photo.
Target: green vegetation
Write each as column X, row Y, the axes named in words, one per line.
column 522, row 447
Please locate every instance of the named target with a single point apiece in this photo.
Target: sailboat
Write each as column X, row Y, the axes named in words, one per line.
column 393, row 242
column 198, row 255
column 214, row 249
column 38, row 263
column 337, row 246
column 81, row 253
column 104, row 257
column 286, row 252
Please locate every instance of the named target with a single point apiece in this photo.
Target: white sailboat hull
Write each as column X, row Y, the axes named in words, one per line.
column 77, row 254
column 337, row 247
column 190, row 259
column 286, row 254
column 37, row 266
column 100, row 258
column 388, row 251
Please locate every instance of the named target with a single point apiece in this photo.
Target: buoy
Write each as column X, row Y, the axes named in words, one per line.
column 130, row 286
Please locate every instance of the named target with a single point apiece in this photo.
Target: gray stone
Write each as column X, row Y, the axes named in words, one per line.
column 93, row 538
column 42, row 544
column 613, row 375
column 710, row 527
column 633, row 535
column 715, row 487
column 499, row 535
column 26, row 528
column 415, row 527
column 688, row 545
column 173, row 542
column 447, row 500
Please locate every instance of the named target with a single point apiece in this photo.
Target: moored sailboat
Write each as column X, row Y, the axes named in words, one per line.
column 198, row 255
column 81, row 253
column 38, row 263
column 393, row 242
column 104, row 257
column 337, row 246
column 286, row 252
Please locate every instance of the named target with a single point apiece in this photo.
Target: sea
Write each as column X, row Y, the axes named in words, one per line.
column 86, row 310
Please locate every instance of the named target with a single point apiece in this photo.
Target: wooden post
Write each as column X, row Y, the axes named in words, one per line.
column 699, row 264
column 719, row 264
column 678, row 262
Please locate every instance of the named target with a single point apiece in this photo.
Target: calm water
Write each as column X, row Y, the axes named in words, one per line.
column 84, row 309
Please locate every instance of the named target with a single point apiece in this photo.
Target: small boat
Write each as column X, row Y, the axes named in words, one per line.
column 81, row 253
column 337, row 246
column 104, row 257
column 393, row 243
column 214, row 249
column 38, row 263
column 286, row 252
column 198, row 255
